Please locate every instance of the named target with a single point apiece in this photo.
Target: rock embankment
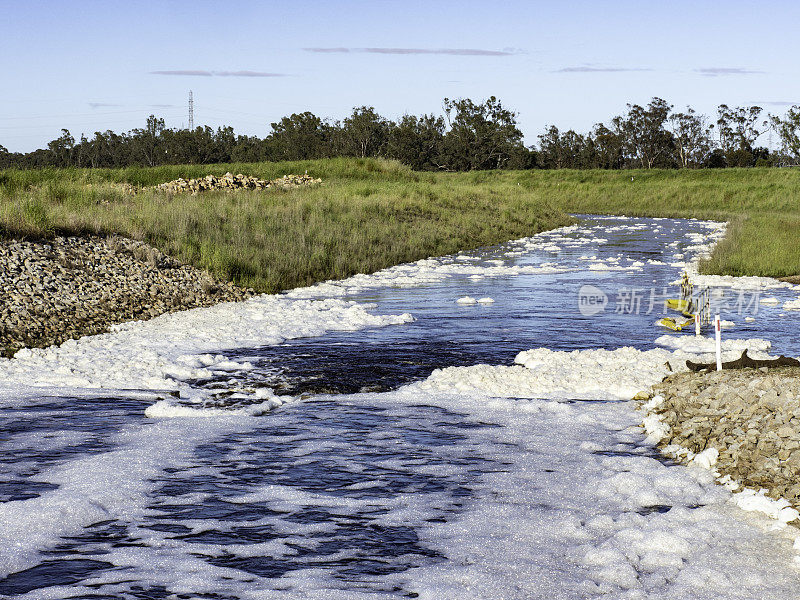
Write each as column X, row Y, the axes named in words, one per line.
column 63, row 288
column 751, row 417
column 231, row 182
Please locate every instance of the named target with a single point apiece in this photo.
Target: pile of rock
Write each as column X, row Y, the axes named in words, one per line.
column 293, row 181
column 67, row 287
column 750, row 416
column 230, row 182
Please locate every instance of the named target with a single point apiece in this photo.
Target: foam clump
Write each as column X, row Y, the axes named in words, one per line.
column 706, row 459
column 584, row 498
column 703, row 345
column 792, row 305
column 166, row 409
column 542, row 373
column 168, row 350
column 778, row 509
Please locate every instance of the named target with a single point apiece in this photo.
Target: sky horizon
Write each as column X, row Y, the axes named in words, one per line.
column 92, row 66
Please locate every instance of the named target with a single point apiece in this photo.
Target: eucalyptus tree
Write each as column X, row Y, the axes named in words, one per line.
column 364, row 133
column 417, row 141
column 147, row 145
column 643, row 134
column 96, row 150
column 788, row 130
column 248, row 148
column 553, row 154
column 480, row 136
column 608, row 148
column 738, row 130
column 567, row 150
column 691, row 135
column 299, row 136
column 738, row 127
column 6, row 158
column 60, row 149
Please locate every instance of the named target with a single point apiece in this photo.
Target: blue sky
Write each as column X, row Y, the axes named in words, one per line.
column 91, row 66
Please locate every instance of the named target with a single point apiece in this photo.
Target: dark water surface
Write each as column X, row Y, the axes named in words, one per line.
column 316, row 486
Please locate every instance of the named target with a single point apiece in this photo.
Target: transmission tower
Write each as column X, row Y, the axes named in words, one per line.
column 191, row 111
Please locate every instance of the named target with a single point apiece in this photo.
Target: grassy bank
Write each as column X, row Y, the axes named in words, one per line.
column 370, row 214
column 367, row 215
column 762, row 205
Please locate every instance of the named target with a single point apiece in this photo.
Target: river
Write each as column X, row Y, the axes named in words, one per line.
column 374, row 438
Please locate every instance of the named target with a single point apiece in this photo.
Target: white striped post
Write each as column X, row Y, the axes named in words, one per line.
column 718, row 331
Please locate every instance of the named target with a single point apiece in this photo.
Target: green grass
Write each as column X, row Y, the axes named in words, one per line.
column 762, row 205
column 370, row 214
column 367, row 215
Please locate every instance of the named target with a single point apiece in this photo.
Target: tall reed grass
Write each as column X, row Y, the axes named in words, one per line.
column 367, row 215
column 370, row 214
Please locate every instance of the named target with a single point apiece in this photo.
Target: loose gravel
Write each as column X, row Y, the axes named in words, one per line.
column 62, row 288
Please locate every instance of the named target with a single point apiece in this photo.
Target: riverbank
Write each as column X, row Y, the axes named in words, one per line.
column 369, row 214
column 365, row 216
column 760, row 206
column 66, row 287
column 743, row 423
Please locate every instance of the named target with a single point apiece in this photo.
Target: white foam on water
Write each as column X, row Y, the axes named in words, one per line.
column 423, row 272
column 694, row 344
column 172, row 408
column 93, row 488
column 792, row 305
column 438, row 269
column 573, row 520
column 165, row 351
column 542, row 373
column 579, row 507
column 588, row 374
column 747, row 283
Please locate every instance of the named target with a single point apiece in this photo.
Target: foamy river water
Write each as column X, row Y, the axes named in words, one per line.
column 375, row 438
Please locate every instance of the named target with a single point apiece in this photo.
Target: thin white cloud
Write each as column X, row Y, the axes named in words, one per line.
column 775, row 103
column 246, row 74
column 101, row 104
column 411, row 51
column 331, row 50
column 183, row 73
column 590, row 69
column 723, row 71
column 197, row 73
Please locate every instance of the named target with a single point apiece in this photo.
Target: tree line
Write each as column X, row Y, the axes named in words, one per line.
column 468, row 136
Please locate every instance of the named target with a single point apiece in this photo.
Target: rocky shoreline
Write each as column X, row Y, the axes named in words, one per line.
column 744, row 423
column 66, row 287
